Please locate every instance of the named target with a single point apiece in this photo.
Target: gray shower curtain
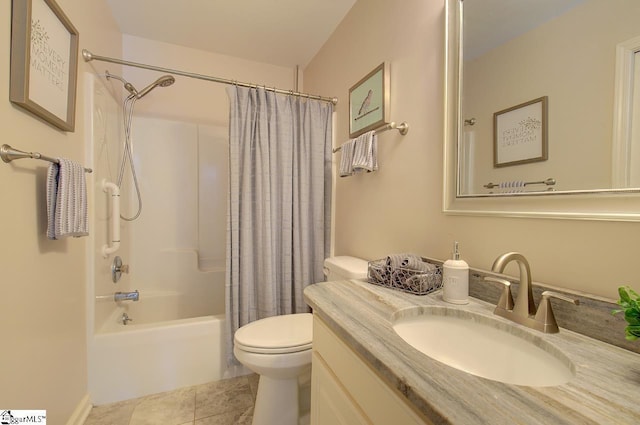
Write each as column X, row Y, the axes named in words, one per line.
column 278, row 224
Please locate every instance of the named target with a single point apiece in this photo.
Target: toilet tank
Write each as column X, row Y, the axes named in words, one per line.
column 345, row 267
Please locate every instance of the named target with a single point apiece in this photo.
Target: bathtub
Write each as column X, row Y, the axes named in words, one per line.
column 161, row 307
column 168, row 345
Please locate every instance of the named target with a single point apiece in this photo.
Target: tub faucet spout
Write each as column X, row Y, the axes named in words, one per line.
column 126, row 296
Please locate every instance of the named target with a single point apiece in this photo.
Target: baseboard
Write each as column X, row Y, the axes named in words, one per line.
column 81, row 411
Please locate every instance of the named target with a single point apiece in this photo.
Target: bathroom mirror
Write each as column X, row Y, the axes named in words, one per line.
column 578, row 55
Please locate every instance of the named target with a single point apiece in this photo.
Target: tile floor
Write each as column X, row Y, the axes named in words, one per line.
column 226, row 402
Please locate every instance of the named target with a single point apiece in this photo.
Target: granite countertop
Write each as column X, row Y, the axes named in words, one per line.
column 605, row 389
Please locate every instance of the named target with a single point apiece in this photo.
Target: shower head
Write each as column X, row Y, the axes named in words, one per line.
column 164, row 81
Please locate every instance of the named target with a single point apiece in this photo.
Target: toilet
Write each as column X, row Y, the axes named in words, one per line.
column 279, row 350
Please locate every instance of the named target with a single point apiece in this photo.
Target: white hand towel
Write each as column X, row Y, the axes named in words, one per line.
column 365, row 152
column 346, row 159
column 67, row 212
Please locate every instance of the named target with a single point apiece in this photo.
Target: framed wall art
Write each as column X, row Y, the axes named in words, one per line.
column 369, row 101
column 44, row 62
column 520, row 133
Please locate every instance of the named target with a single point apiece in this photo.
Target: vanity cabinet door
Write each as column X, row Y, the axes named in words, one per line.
column 338, row 373
column 330, row 403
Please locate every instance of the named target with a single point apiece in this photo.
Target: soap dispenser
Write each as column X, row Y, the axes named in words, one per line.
column 455, row 279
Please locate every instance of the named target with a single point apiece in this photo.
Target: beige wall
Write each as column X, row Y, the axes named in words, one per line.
column 399, row 208
column 43, row 361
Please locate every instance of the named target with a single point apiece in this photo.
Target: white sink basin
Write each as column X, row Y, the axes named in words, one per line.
column 483, row 346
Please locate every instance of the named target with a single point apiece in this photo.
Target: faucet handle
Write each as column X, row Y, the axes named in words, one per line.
column 117, row 268
column 545, row 314
column 506, row 299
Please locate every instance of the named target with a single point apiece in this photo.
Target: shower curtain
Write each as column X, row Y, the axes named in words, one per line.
column 279, row 212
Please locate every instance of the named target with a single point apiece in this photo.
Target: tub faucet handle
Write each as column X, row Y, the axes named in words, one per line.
column 117, row 268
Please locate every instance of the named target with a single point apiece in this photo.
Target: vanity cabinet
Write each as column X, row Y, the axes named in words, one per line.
column 345, row 390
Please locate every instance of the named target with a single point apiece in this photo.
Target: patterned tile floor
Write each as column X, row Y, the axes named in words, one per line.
column 226, row 402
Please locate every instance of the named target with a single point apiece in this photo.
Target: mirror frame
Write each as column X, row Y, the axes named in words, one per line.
column 600, row 204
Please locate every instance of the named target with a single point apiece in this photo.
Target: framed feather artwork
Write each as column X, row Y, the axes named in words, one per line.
column 369, row 101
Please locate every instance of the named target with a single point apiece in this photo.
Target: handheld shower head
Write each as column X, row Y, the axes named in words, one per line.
column 164, row 81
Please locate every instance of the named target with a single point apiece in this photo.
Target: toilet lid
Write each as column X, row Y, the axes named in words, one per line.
column 279, row 334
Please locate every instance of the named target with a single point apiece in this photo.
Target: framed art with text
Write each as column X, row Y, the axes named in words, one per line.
column 44, row 62
column 520, row 134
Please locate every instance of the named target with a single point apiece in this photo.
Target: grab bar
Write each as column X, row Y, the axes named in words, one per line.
column 114, row 244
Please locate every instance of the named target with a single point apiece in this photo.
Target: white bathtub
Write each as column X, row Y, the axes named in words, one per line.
column 160, row 350
column 158, row 306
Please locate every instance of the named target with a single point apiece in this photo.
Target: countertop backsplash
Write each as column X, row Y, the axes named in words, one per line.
column 592, row 317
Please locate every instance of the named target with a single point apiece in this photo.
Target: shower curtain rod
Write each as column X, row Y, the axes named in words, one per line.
column 88, row 56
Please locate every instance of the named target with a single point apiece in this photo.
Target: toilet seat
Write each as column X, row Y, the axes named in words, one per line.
column 288, row 333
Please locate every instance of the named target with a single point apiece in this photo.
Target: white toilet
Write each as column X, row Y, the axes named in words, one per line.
column 279, row 350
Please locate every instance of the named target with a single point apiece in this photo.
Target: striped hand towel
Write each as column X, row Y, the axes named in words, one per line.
column 346, row 159
column 365, row 152
column 67, row 212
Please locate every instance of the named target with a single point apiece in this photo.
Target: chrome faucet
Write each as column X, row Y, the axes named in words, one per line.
column 126, row 296
column 523, row 311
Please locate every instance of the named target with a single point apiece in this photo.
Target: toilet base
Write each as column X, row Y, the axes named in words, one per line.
column 277, row 402
column 284, row 370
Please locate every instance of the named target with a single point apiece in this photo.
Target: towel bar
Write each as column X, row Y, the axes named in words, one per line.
column 549, row 182
column 8, row 154
column 403, row 128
